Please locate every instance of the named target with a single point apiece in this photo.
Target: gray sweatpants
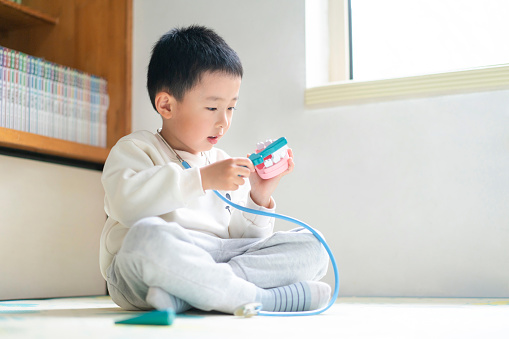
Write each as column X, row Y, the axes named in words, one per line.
column 208, row 272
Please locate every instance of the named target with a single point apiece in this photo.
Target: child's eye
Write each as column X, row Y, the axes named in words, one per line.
column 231, row 108
column 212, row 109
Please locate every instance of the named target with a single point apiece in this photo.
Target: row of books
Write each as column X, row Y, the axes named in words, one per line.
column 41, row 97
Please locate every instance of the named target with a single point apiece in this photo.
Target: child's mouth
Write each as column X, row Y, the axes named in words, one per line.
column 213, row 140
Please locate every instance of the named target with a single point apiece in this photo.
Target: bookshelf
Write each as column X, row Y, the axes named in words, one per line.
column 14, row 16
column 93, row 36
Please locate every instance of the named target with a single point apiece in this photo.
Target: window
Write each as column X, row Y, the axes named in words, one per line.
column 327, row 41
column 397, row 38
column 372, row 49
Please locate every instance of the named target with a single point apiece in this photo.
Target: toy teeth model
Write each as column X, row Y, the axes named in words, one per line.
column 271, row 158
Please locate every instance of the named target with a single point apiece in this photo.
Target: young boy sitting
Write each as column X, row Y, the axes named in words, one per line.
column 169, row 242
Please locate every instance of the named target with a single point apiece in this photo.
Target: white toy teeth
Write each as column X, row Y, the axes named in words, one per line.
column 271, row 158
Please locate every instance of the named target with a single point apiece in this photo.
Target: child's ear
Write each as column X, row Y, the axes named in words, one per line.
column 165, row 104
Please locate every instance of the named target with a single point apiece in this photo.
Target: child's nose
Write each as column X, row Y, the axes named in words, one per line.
column 223, row 120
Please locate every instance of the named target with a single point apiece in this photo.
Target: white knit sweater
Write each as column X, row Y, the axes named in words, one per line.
column 143, row 178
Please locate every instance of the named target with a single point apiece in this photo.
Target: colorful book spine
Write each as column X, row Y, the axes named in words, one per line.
column 56, row 101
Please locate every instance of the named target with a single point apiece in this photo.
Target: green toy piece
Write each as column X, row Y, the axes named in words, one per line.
column 162, row 317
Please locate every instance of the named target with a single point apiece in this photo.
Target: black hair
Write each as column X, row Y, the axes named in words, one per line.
column 182, row 55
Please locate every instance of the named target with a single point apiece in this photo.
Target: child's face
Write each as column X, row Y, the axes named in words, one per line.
column 204, row 115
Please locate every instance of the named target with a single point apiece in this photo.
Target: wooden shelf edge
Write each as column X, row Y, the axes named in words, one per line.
column 40, row 144
column 22, row 15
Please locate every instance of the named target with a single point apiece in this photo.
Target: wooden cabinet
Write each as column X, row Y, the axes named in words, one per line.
column 93, row 36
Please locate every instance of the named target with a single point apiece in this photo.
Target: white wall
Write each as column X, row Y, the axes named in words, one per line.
column 412, row 195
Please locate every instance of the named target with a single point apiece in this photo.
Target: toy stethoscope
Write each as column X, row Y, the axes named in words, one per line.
column 260, row 159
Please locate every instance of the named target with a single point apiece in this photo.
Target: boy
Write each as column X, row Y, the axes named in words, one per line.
column 169, row 242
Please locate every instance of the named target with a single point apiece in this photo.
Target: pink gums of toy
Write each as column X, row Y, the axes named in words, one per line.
column 271, row 158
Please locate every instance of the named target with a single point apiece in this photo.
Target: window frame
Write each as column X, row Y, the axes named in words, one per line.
column 342, row 91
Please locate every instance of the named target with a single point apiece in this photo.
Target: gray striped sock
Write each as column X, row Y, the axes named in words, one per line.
column 302, row 296
column 160, row 300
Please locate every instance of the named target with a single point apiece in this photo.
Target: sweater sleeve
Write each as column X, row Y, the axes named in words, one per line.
column 138, row 183
column 249, row 225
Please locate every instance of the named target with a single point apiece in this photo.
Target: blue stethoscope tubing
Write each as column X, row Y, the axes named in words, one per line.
column 309, row 228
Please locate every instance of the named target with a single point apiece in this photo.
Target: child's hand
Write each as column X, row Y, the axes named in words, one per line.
column 262, row 189
column 226, row 175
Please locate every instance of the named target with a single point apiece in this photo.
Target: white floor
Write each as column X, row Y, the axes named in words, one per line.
column 94, row 317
